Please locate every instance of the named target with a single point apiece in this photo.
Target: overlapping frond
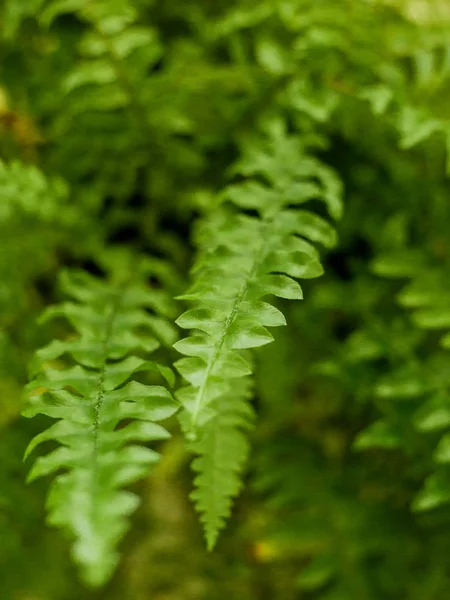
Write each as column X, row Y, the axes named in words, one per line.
column 100, row 408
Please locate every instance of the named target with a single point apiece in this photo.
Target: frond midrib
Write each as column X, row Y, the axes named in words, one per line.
column 261, row 256
column 101, row 393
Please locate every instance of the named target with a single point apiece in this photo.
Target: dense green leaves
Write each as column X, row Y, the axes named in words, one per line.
column 35, row 218
column 221, row 136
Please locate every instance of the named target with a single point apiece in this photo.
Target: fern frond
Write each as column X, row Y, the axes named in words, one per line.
column 243, row 258
column 105, row 94
column 91, row 399
column 427, row 295
column 222, row 450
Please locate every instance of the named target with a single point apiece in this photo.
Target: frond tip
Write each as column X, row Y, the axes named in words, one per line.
column 222, row 450
column 91, row 399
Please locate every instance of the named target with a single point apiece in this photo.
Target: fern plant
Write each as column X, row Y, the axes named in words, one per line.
column 180, row 169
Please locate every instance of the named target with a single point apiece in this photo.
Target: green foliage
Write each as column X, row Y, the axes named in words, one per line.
column 222, row 449
column 179, row 168
column 427, row 296
column 246, row 258
column 90, row 401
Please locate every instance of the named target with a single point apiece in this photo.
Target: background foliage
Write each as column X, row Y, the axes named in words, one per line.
column 195, row 152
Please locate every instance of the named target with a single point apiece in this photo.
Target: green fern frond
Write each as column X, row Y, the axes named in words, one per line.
column 90, row 400
column 116, row 55
column 244, row 258
column 241, row 259
column 422, row 385
column 222, row 450
column 105, row 93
